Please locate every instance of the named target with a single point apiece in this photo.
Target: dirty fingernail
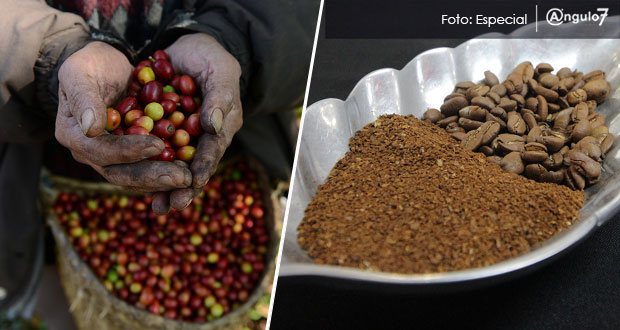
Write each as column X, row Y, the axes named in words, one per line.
column 166, row 180
column 216, row 120
column 150, row 151
column 87, row 120
column 187, row 179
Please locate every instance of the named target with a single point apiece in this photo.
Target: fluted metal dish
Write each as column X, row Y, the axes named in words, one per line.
column 422, row 83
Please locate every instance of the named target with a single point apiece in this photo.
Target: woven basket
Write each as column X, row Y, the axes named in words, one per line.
column 94, row 308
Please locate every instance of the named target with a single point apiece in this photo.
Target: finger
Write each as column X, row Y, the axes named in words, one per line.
column 148, row 175
column 107, row 149
column 211, row 148
column 220, row 90
column 85, row 104
column 161, row 203
column 181, row 198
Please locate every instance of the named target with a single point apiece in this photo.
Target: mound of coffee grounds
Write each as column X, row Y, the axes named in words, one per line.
column 407, row 198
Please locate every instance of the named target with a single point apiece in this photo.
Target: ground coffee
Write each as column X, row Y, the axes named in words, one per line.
column 407, row 198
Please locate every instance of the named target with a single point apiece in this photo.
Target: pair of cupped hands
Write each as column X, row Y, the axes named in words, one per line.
column 98, row 75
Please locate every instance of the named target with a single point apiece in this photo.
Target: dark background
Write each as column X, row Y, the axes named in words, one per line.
column 580, row 290
column 423, row 18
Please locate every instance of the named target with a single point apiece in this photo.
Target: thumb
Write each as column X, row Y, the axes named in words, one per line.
column 88, row 108
column 218, row 101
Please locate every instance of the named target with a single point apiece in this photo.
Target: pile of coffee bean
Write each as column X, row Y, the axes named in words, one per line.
column 535, row 123
column 407, row 198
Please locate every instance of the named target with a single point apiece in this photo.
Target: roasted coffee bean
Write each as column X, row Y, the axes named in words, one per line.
column 453, row 95
column 507, row 104
column 530, row 120
column 444, row 122
column 490, row 79
column 532, row 84
column 554, row 161
column 563, row 103
column 498, row 120
column 586, row 166
column 534, row 134
column 486, row 150
column 534, row 152
column 494, row 97
column 573, row 179
column 561, row 89
column 552, row 176
column 517, row 82
column 541, row 107
column 553, row 143
column 591, row 147
column 500, row 113
column 494, row 159
column 535, row 171
column 432, row 116
column 568, row 83
column 553, row 108
column 580, row 112
column 599, row 130
column 505, row 143
column 576, row 96
column 543, row 68
column 564, row 73
column 596, row 121
column 524, row 70
column 483, row 102
column 548, row 94
column 453, row 105
column 490, row 130
column 465, row 84
column 580, row 130
column 515, row 124
column 472, row 140
column 596, row 74
column 548, row 80
column 531, row 103
column 607, row 143
column 459, row 136
column 512, row 162
column 454, row 127
column 469, row 124
column 478, row 90
column 473, row 112
column 499, row 89
column 562, row 119
column 519, row 99
column 597, row 90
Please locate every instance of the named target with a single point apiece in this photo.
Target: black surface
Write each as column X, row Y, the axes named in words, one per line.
column 467, row 19
column 580, row 290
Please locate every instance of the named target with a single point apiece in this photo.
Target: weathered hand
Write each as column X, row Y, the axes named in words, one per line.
column 91, row 79
column 217, row 74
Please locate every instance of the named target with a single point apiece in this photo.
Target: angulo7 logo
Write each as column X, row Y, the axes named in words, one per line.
column 557, row 16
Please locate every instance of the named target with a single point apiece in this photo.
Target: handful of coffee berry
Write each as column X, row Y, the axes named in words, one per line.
column 161, row 104
column 535, row 123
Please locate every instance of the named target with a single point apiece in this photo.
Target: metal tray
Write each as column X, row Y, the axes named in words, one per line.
column 422, row 83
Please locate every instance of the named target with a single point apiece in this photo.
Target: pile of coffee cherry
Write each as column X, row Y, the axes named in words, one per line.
column 193, row 265
column 161, row 104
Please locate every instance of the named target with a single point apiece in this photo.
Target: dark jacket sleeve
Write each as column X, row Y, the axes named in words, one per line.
column 271, row 39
